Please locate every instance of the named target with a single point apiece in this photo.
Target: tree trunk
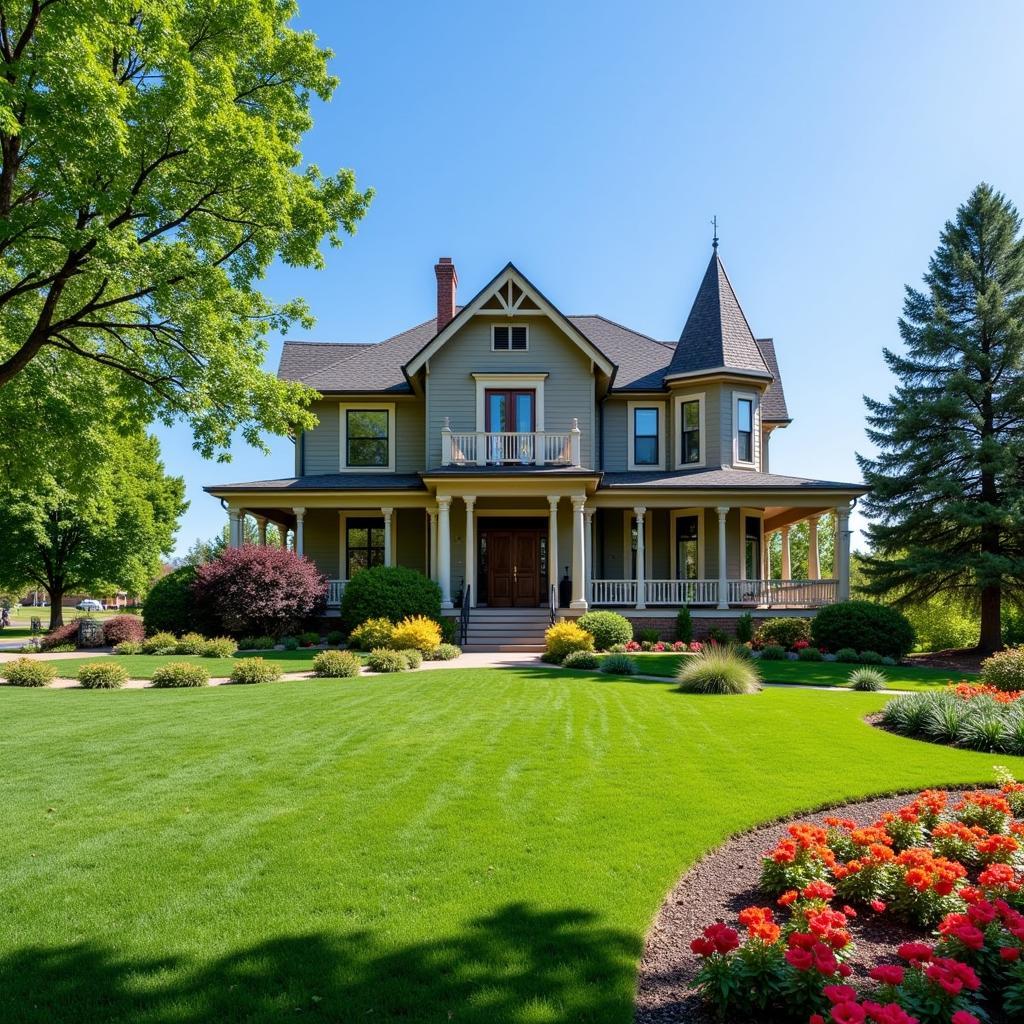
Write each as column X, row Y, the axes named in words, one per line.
column 991, row 620
column 56, row 606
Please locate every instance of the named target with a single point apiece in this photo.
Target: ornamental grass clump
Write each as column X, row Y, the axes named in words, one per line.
column 180, row 674
column 718, row 670
column 773, row 652
column 255, row 670
column 337, row 665
column 102, row 675
column 867, row 678
column 28, row 672
column 618, row 665
column 416, row 632
column 127, row 647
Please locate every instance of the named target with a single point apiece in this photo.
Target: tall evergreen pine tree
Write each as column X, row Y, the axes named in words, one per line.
column 947, row 498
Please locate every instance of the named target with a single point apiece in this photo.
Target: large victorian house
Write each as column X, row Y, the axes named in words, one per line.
column 505, row 448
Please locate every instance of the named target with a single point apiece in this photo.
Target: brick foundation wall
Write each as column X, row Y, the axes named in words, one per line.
column 701, row 626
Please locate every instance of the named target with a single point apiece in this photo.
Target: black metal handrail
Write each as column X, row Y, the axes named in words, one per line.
column 552, row 603
column 464, row 617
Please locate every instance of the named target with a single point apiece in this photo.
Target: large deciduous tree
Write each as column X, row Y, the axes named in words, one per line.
column 149, row 175
column 947, row 499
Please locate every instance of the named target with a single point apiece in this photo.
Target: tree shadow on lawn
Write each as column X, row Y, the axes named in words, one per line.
column 515, row 964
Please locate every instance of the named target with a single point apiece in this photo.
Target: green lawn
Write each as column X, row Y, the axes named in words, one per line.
column 142, row 666
column 815, row 673
column 474, row 846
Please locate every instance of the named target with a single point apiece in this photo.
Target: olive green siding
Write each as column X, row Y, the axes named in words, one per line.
column 321, row 540
column 322, row 445
column 410, row 526
column 568, row 387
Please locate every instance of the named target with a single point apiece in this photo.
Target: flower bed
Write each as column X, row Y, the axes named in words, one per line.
column 911, row 913
column 968, row 715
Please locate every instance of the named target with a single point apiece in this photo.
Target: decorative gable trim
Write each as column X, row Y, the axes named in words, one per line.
column 512, row 294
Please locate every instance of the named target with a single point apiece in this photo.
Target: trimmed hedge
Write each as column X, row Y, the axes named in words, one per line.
column 28, row 672
column 864, row 626
column 255, row 670
column 103, row 675
column 388, row 592
column 336, row 665
column 581, row 659
column 386, row 660
column 607, row 628
column 782, row 632
column 444, row 652
column 170, row 605
column 179, row 674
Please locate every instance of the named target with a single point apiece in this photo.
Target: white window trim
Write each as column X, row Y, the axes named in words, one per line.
column 749, row 513
column 513, row 381
column 678, row 513
column 755, row 428
column 631, row 451
column 627, row 547
column 677, row 429
column 510, row 350
column 343, row 410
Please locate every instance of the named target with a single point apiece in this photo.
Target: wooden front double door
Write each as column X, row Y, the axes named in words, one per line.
column 514, row 568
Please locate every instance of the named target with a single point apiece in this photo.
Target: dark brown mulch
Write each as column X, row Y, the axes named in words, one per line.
column 717, row 889
column 965, row 660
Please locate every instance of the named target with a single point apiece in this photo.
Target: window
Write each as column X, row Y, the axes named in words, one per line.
column 744, row 430
column 687, row 554
column 509, row 339
column 645, row 437
column 367, row 436
column 689, row 432
column 752, row 547
column 512, row 411
column 364, row 544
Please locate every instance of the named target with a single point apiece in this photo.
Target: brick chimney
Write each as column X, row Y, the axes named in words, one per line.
column 447, row 282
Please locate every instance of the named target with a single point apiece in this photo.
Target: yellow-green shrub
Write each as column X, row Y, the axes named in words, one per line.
column 564, row 637
column 372, row 634
column 418, row 633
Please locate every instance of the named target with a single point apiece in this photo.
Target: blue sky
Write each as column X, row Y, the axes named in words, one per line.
column 591, row 143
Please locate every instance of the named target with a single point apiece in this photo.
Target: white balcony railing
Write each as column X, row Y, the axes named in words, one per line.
column 510, row 448
column 784, row 593
column 704, row 593
column 335, row 588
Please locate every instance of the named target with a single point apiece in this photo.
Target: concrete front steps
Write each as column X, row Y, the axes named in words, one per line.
column 507, row 630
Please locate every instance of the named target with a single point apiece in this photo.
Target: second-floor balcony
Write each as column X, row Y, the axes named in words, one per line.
column 511, row 448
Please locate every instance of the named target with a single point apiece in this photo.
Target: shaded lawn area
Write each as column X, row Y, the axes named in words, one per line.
column 472, row 845
column 815, row 673
column 142, row 666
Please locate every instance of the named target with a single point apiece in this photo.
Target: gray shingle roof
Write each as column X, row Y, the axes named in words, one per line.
column 773, row 404
column 641, row 360
column 716, row 332
column 723, row 479
column 331, row 482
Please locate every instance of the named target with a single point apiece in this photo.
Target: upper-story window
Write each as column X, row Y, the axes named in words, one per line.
column 744, row 411
column 367, row 437
column 646, row 436
column 689, row 432
column 509, row 338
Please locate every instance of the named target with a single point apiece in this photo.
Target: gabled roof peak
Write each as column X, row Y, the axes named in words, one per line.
column 716, row 333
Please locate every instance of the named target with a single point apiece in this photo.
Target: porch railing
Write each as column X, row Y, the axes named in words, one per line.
column 335, row 588
column 704, row 593
column 784, row 593
column 511, row 448
column 680, row 592
column 614, row 592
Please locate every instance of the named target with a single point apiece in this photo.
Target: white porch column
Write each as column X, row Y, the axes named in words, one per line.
column 261, row 531
column 553, row 544
column 787, row 562
column 842, row 548
column 444, row 551
column 723, row 575
column 386, row 513
column 470, row 580
column 432, row 559
column 588, row 575
column 579, row 555
column 300, row 516
column 234, row 527
column 641, row 558
column 813, row 566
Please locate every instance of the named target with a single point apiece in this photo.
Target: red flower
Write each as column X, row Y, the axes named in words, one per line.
column 818, row 891
column 888, row 974
column 702, row 947
column 849, row 912
column 877, row 906
column 824, row 960
column 963, row 1017
column 848, row 1013
column 845, row 970
column 725, row 939
column 799, row 958
column 981, row 911
column 787, row 898
column 815, row 1018
column 1009, row 953
column 839, row 994
column 915, row 952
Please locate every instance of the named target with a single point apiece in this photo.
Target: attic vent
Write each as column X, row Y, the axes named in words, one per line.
column 510, row 339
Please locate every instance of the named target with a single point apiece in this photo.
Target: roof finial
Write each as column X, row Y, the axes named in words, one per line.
column 714, row 224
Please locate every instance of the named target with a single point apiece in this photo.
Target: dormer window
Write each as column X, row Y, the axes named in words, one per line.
column 509, row 338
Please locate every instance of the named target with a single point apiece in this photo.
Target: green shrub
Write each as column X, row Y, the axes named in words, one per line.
column 718, row 636
column 773, row 652
column 309, row 639
column 388, row 592
column 565, row 636
column 371, row 634
column 909, row 713
column 103, row 675
column 190, row 643
column 1005, row 669
column 121, row 628
column 984, row 729
column 684, row 625
column 648, row 635
column 416, row 632
column 449, row 628
column 180, row 674
column 941, row 623
column 718, row 670
column 870, row 658
column 848, row 655
column 170, row 605
column 219, row 647
column 944, row 721
column 255, row 670
column 28, row 672
column 337, row 665
column 809, row 654
column 782, row 632
column 60, row 635
column 618, row 665
column 256, row 643
column 617, row 649
column 413, row 656
column 581, row 659
column 128, row 647
column 383, row 659
column 289, row 643
column 160, row 643
column 444, row 652
column 864, row 626
column 607, row 628
column 745, row 628
column 867, row 678
column 335, row 637
column 888, row 661
column 61, row 649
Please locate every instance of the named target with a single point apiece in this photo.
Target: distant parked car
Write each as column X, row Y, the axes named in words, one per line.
column 89, row 605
